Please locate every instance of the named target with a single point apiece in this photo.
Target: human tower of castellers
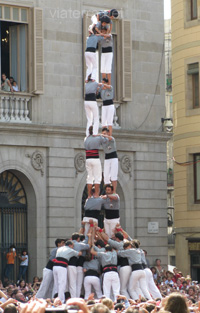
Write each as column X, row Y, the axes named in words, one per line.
column 107, row 260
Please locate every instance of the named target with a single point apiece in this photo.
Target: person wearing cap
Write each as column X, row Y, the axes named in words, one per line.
column 112, row 207
column 137, row 282
column 110, row 161
column 108, row 261
column 90, row 104
column 61, row 261
column 108, row 108
column 46, row 289
column 92, row 145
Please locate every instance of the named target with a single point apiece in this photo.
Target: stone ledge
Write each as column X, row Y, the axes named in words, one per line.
column 65, row 131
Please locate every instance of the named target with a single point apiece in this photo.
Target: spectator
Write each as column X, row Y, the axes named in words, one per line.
column 10, row 256
column 147, row 260
column 22, row 286
column 10, row 308
column 36, row 283
column 191, row 293
column 169, row 280
column 23, row 265
column 159, row 269
column 155, row 275
column 15, row 86
column 176, row 304
column 6, row 85
column 176, row 275
column 11, row 79
column 184, row 285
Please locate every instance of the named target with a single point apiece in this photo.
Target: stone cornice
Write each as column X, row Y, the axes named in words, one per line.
column 79, row 132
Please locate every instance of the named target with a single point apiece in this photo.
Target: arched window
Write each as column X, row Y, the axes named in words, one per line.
column 13, row 218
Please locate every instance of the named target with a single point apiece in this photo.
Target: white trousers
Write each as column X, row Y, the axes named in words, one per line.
column 92, row 281
column 109, row 226
column 107, row 115
column 110, row 170
column 124, row 275
column 138, row 286
column 91, row 63
column 75, row 280
column 79, row 281
column 72, row 277
column 111, row 281
column 94, row 171
column 154, row 291
column 60, row 281
column 92, row 115
column 87, row 224
column 106, row 62
column 46, row 288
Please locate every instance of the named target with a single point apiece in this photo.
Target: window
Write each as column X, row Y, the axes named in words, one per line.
column 21, row 46
column 193, row 9
column 172, row 260
column 193, row 72
column 122, row 57
column 197, row 178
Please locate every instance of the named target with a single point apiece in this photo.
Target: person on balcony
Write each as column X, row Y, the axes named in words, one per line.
column 15, row 86
column 6, row 84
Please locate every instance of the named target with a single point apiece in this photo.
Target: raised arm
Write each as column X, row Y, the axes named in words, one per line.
column 111, row 197
column 9, row 84
column 93, row 252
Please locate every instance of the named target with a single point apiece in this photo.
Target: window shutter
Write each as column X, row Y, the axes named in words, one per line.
column 126, row 61
column 86, row 23
column 38, row 51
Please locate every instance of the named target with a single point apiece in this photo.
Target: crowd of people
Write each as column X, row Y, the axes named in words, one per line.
column 96, row 270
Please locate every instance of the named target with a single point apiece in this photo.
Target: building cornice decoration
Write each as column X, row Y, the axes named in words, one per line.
column 125, row 162
column 37, row 161
column 79, row 162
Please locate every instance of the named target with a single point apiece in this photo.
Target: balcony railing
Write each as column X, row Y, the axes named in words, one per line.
column 14, row 107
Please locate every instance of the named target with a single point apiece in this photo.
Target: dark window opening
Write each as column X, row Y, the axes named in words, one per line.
column 193, row 72
column 194, row 9
column 197, row 178
column 13, row 51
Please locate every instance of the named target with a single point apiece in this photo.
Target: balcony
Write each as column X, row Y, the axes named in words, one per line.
column 15, row 107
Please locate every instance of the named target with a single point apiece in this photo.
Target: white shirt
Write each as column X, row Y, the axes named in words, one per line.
column 25, row 262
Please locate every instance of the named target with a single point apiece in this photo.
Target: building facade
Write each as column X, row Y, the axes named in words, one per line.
column 186, row 99
column 42, row 162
